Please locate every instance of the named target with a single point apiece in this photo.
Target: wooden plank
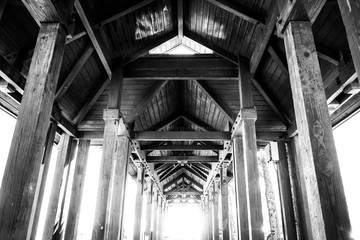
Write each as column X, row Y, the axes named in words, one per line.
column 326, row 209
column 264, row 38
column 180, row 136
column 192, row 181
column 73, row 73
column 21, row 172
column 174, row 181
column 239, row 11
column 174, row 193
column 195, row 173
column 11, row 75
column 181, row 147
column 122, row 13
column 346, row 110
column 350, row 11
column 278, row 60
column 77, row 189
column 85, row 21
column 155, row 89
column 180, row 18
column 184, row 159
column 199, row 124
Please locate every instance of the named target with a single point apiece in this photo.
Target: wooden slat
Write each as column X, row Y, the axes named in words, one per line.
column 181, row 136
column 176, row 159
column 74, row 72
column 195, row 173
column 84, row 19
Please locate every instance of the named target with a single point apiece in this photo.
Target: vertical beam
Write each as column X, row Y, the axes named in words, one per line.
column 111, row 118
column 180, row 15
column 326, row 205
column 66, row 151
column 27, row 147
column 154, row 213
column 138, row 203
column 288, row 217
column 147, row 233
column 240, row 189
column 350, row 11
column 42, row 178
column 248, row 118
column 77, row 189
column 205, row 217
column 210, row 215
column 215, row 213
column 225, row 203
column 158, row 216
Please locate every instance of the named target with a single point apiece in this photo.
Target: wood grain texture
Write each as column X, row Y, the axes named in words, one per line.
column 22, row 169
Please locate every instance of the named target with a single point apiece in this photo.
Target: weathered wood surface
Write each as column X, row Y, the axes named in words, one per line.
column 187, row 159
column 216, row 211
column 149, row 199
column 224, row 189
column 324, row 193
column 77, row 190
column 180, row 136
column 27, row 148
column 139, row 203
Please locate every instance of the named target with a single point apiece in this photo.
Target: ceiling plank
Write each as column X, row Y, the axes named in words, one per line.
column 74, row 72
column 84, row 19
column 239, row 11
column 195, row 173
column 278, row 61
column 176, row 168
column 180, row 15
column 192, row 120
column 191, row 180
column 125, row 12
column 155, row 89
column 184, row 159
column 175, row 180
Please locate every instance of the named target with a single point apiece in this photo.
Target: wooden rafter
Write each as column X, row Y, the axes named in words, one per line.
column 194, row 172
column 85, row 20
column 191, row 180
column 276, row 57
column 175, row 180
column 239, row 11
column 175, row 168
column 192, row 120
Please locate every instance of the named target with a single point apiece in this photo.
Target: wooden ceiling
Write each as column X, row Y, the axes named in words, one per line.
column 169, row 93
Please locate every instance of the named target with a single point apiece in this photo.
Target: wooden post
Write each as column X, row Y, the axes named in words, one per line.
column 65, row 154
column 158, row 218
column 111, row 118
column 350, row 11
column 324, row 201
column 147, row 233
column 288, row 217
column 211, row 217
column 248, row 118
column 154, row 213
column 138, row 203
column 240, row 187
column 28, row 142
column 225, row 203
column 42, row 178
column 77, row 190
column 216, row 220
column 205, row 217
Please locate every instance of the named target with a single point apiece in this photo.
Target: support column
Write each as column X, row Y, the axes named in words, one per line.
column 111, row 118
column 324, row 198
column 147, row 233
column 77, row 189
column 210, row 211
column 216, row 220
column 65, row 155
column 28, row 142
column 288, row 217
column 350, row 10
column 205, row 217
column 138, row 203
column 157, row 232
column 154, row 213
column 248, row 117
column 225, row 202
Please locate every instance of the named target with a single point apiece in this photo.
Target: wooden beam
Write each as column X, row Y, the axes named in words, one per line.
column 75, row 37
column 11, row 75
column 51, row 11
column 164, row 124
column 122, row 13
column 282, row 65
column 195, row 173
column 326, row 210
column 90, row 103
column 181, row 147
column 174, row 193
column 74, row 72
column 221, row 106
column 264, row 38
column 198, row 123
column 155, row 89
column 183, row 159
column 175, row 180
column 346, row 110
column 21, row 173
column 180, row 18
column 180, row 136
column 239, row 11
column 175, row 168
column 85, row 21
column 192, row 181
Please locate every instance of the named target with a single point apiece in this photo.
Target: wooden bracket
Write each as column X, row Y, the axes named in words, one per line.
column 244, row 113
column 110, row 114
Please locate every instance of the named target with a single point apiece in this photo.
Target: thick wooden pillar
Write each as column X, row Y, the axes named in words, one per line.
column 287, row 208
column 324, row 198
column 28, row 143
column 205, row 217
column 149, row 193
column 225, row 203
column 210, row 216
column 215, row 213
column 160, row 201
column 154, row 207
column 350, row 10
column 248, row 117
column 240, row 189
column 42, row 180
column 77, row 190
column 65, row 155
column 138, row 203
column 111, row 118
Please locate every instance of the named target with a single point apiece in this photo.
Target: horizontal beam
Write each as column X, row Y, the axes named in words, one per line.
column 182, row 193
column 181, row 136
column 182, row 159
column 152, row 147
